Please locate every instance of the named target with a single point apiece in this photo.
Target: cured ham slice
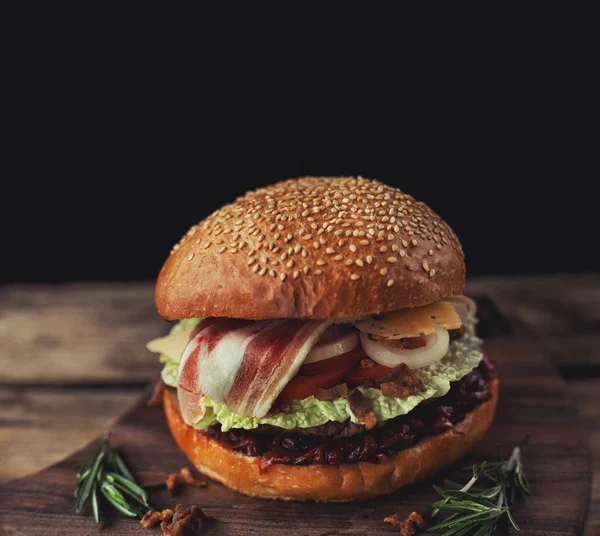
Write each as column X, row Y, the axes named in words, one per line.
column 244, row 364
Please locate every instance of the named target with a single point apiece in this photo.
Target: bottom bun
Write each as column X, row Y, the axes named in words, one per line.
column 328, row 483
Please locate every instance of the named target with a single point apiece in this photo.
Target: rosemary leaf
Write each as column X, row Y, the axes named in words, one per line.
column 135, row 497
column 95, row 507
column 130, row 485
column 122, row 468
column 89, row 481
column 120, row 507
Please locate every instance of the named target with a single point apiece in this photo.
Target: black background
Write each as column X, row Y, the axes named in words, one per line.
column 111, row 208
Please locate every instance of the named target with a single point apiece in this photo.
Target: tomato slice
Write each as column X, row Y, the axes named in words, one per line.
column 303, row 386
column 358, row 374
column 340, row 361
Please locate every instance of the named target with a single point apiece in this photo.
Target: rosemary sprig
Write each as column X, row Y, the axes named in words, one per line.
column 104, row 473
column 479, row 511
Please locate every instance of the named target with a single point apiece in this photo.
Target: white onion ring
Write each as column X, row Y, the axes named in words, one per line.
column 339, row 346
column 436, row 347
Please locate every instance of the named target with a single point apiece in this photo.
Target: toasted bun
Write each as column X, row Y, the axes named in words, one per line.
column 312, row 248
column 347, row 482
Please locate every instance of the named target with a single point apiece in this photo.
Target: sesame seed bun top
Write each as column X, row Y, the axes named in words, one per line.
column 315, row 247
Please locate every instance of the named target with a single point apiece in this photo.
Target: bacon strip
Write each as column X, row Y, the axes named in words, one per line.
column 244, row 364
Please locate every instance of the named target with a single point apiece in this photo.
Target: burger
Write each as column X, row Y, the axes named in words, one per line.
column 322, row 349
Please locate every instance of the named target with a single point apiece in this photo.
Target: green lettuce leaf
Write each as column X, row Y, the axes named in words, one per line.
column 463, row 356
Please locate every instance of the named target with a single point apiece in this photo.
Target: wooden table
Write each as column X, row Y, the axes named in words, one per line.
column 72, row 358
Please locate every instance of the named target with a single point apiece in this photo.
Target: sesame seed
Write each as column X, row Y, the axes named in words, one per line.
column 205, row 246
column 364, row 242
column 414, row 241
column 262, row 271
column 394, row 247
column 307, row 237
column 431, row 272
column 354, row 277
column 222, row 249
column 352, row 248
column 297, row 248
column 318, row 271
column 296, row 274
column 282, row 276
column 390, row 236
column 369, row 259
column 402, row 253
column 392, row 260
column 330, row 251
column 321, row 263
column 290, row 263
column 390, row 282
column 304, row 253
column 272, row 273
column 383, row 271
column 405, row 243
column 383, row 249
column 338, row 258
column 191, row 256
column 306, row 269
column 426, row 267
column 316, row 245
column 349, row 262
column 359, row 262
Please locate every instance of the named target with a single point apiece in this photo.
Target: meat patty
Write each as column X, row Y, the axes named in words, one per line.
column 331, row 429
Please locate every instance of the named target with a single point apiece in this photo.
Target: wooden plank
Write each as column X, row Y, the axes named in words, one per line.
column 71, row 333
column 561, row 311
column 532, row 399
column 40, row 427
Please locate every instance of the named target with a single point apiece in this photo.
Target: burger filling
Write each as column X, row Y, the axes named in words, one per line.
column 302, row 392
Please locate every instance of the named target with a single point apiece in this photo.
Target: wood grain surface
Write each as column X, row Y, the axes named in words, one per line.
column 68, row 391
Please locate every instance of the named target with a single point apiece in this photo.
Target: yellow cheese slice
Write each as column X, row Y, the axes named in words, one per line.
column 411, row 322
column 172, row 345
